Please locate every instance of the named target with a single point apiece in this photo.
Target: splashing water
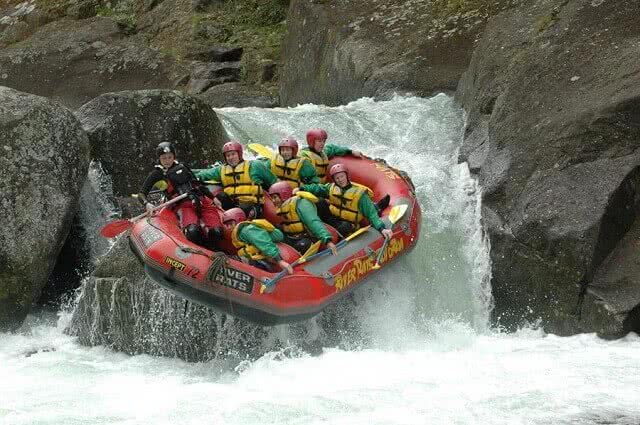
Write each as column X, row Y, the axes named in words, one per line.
column 426, row 356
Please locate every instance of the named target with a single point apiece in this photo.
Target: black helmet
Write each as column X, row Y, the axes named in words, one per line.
column 165, row 147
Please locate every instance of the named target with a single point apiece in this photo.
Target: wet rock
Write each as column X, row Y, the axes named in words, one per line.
column 209, row 30
column 19, row 21
column 125, row 127
column 75, row 61
column 336, row 52
column 216, row 54
column 82, row 9
column 553, row 102
column 269, row 69
column 208, row 74
column 238, row 95
column 44, row 161
column 120, row 308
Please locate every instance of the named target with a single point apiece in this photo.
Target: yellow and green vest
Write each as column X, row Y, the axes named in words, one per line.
column 344, row 204
column 237, row 183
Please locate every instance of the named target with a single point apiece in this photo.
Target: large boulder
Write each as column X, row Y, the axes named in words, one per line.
column 75, row 61
column 238, row 95
column 553, row 102
column 124, row 129
column 45, row 155
column 336, row 52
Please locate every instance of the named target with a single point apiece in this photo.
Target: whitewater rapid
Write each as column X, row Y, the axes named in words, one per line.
column 423, row 352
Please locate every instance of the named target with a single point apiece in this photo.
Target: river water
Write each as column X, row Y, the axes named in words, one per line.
column 424, row 352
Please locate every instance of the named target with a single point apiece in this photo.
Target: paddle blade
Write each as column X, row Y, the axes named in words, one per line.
column 309, row 252
column 113, row 229
column 262, row 288
column 261, row 150
column 357, row 233
column 376, row 266
column 397, row 212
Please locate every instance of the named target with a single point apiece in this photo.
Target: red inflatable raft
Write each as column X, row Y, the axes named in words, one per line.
column 221, row 282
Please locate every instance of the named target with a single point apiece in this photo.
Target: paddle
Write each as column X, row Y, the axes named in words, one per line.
column 394, row 216
column 261, row 150
column 116, row 227
column 309, row 252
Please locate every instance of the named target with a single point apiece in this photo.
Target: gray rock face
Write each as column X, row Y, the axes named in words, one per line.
column 237, row 95
column 44, row 161
column 75, row 61
column 553, row 96
column 124, row 129
column 217, row 54
column 207, row 74
column 336, row 52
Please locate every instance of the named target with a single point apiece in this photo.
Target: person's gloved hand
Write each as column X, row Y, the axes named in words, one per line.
column 149, row 207
column 387, row 233
column 285, row 266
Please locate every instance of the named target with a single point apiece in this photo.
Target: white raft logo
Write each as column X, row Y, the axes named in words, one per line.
column 235, row 279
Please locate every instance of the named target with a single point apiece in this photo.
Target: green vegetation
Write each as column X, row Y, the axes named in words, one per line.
column 122, row 12
column 545, row 21
column 256, row 25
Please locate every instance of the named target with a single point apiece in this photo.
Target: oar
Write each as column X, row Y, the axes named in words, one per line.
column 394, row 216
column 309, row 252
column 261, row 150
column 116, row 227
column 341, row 243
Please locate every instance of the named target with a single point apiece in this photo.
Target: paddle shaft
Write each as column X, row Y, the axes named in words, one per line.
column 384, row 246
column 393, row 218
column 169, row 202
column 280, row 275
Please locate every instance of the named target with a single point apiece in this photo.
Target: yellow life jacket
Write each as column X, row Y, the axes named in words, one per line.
column 245, row 249
column 237, row 183
column 291, row 223
column 319, row 160
column 288, row 171
column 344, row 204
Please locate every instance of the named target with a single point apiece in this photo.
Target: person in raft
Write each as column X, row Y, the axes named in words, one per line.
column 300, row 222
column 349, row 202
column 255, row 240
column 287, row 166
column 199, row 219
column 319, row 153
column 242, row 180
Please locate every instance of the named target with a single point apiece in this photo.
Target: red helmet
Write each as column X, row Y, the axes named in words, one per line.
column 315, row 134
column 289, row 142
column 338, row 168
column 234, row 214
column 233, row 145
column 282, row 189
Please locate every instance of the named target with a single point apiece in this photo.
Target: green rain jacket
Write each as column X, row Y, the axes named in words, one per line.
column 308, row 214
column 261, row 239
